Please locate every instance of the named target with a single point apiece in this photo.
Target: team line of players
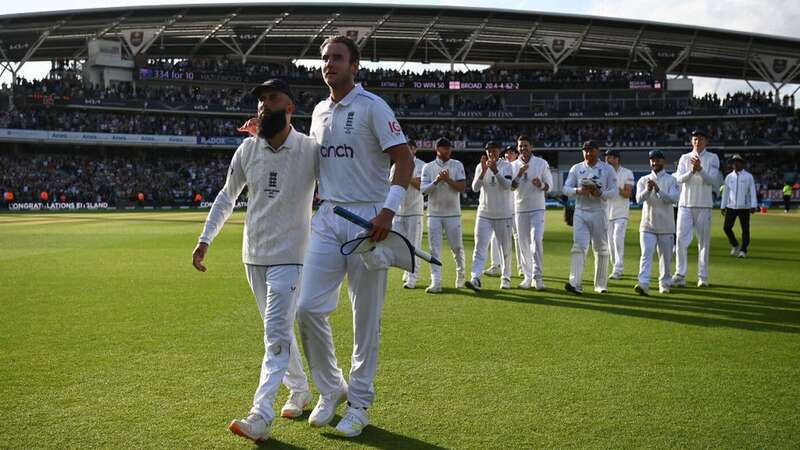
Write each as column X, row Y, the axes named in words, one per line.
column 295, row 266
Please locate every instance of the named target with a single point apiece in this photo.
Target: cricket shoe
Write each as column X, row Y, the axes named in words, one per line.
column 296, row 404
column 678, row 281
column 254, row 427
column 702, row 283
column 663, row 289
column 525, row 284
column 539, row 285
column 601, row 290
column 616, row 276
column 570, row 288
column 493, row 271
column 474, row 284
column 434, row 288
column 742, row 254
column 505, row 283
column 734, row 251
column 326, row 407
column 642, row 289
column 459, row 281
column 353, row 422
column 410, row 285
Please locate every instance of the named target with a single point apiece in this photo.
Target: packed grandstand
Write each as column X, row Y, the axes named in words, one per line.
column 155, row 126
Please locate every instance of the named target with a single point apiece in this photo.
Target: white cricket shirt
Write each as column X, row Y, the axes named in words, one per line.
column 412, row 201
column 353, row 135
column 619, row 206
column 528, row 197
column 443, row 200
column 496, row 200
column 658, row 214
column 602, row 174
column 697, row 187
column 280, row 187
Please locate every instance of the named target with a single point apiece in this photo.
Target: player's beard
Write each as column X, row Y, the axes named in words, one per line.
column 272, row 123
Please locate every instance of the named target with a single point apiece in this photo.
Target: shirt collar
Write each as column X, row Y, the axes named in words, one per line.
column 288, row 144
column 357, row 89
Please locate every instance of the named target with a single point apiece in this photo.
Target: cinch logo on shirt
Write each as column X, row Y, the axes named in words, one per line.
column 336, row 151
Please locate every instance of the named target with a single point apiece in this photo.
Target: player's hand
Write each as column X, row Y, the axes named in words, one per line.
column 752, row 210
column 251, row 126
column 492, row 165
column 522, row 170
column 594, row 192
column 444, row 175
column 199, row 255
column 722, row 211
column 537, row 182
column 696, row 167
column 381, row 225
column 484, row 163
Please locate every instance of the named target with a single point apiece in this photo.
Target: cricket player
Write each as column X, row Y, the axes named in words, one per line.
column 592, row 183
column 738, row 201
column 360, row 138
column 656, row 192
column 495, row 214
column 443, row 181
column 698, row 174
column 278, row 166
column 531, row 181
column 408, row 220
column 618, row 207
column 510, row 155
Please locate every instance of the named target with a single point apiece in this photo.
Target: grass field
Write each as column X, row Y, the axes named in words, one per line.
column 110, row 339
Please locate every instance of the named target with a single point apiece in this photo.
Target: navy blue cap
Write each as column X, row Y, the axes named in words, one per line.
column 612, row 152
column 442, row 142
column 492, row 144
column 275, row 84
column 655, row 153
column 700, row 131
column 590, row 144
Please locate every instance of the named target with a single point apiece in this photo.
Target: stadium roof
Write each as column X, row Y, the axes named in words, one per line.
column 284, row 31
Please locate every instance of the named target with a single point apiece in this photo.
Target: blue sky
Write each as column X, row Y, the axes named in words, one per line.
column 778, row 17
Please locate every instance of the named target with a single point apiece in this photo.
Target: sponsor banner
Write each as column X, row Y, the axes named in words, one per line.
column 776, row 195
column 16, row 46
column 431, row 145
column 95, row 138
column 752, row 111
column 149, row 73
column 57, row 206
column 219, row 141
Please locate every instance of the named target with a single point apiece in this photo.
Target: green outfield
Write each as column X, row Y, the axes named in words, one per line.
column 110, row 339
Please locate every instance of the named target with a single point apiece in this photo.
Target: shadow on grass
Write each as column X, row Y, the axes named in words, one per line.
column 746, row 309
column 273, row 443
column 379, row 438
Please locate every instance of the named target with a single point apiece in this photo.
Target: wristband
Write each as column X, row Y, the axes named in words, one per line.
column 395, row 197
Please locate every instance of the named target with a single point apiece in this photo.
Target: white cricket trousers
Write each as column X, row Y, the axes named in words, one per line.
column 324, row 269
column 530, row 232
column 452, row 228
column 616, row 243
column 411, row 228
column 589, row 225
column 495, row 249
column 275, row 290
column 699, row 221
column 484, row 228
column 649, row 242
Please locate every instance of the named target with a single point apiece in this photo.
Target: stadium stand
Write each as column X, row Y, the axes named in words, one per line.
column 113, row 120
